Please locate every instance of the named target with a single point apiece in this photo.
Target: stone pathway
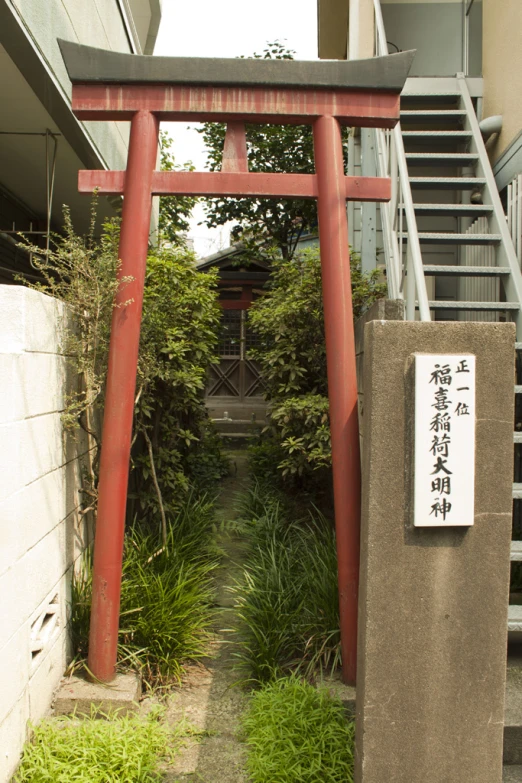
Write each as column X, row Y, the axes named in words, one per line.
column 210, row 698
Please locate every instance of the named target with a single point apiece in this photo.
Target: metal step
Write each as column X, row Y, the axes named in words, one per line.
column 447, row 183
column 516, row 546
column 480, row 306
column 515, row 618
column 456, row 210
column 517, row 437
column 518, row 346
column 445, row 158
column 433, row 113
column 447, row 238
column 512, row 773
column 518, row 389
column 517, row 495
column 472, row 271
column 461, row 135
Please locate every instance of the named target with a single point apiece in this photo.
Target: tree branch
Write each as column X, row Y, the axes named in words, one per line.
column 158, row 490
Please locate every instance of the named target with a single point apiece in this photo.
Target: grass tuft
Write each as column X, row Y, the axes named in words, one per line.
column 287, row 598
column 166, row 596
column 297, row 734
column 90, row 750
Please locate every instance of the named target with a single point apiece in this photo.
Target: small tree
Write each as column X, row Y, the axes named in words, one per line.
column 292, row 354
column 271, row 148
column 173, row 443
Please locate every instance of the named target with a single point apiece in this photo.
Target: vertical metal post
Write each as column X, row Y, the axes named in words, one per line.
column 119, row 399
column 410, row 285
column 342, row 381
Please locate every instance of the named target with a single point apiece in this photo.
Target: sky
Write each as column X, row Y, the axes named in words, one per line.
column 227, row 28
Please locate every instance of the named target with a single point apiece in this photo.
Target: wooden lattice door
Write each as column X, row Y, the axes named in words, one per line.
column 236, row 376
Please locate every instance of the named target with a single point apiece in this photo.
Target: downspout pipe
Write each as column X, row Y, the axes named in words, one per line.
column 491, row 125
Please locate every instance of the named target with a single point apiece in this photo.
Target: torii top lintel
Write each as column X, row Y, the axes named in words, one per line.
column 113, row 86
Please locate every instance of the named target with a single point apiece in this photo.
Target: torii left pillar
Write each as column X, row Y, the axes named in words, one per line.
column 119, row 396
column 269, row 92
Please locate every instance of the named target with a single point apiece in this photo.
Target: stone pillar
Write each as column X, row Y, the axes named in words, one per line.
column 433, row 602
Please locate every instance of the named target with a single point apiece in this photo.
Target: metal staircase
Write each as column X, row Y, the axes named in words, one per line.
column 449, row 252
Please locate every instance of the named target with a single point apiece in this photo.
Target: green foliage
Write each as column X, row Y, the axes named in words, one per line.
column 166, row 595
column 292, row 354
column 287, row 599
column 297, row 734
column 81, row 272
column 174, row 211
column 178, row 340
column 271, row 148
column 303, row 428
column 68, row 750
column 173, row 438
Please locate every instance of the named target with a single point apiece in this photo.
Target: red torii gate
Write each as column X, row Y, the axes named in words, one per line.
column 147, row 90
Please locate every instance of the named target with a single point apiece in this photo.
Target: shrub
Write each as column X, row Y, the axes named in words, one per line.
column 181, row 315
column 166, row 595
column 179, row 334
column 297, row 734
column 292, row 354
column 67, row 750
column 287, row 599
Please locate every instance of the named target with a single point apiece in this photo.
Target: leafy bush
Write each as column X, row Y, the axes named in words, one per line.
column 67, row 750
column 166, row 595
column 287, row 599
column 297, row 734
column 181, row 315
column 292, row 354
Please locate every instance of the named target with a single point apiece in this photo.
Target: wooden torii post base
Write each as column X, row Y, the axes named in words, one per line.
column 146, row 90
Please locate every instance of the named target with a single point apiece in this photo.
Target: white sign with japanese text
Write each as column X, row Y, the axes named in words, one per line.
column 444, row 462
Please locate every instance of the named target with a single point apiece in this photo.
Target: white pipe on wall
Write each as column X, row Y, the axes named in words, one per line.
column 354, row 29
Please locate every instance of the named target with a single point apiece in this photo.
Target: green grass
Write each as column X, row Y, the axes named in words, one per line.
column 287, row 599
column 93, row 750
column 297, row 734
column 166, row 596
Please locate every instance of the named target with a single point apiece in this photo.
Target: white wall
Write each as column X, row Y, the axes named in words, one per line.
column 41, row 534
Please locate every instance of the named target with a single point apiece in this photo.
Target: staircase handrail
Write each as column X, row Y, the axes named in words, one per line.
column 393, row 239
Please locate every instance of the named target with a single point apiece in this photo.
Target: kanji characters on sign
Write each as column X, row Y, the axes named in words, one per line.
column 444, row 462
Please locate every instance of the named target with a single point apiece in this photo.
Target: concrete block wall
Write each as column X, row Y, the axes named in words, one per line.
column 41, row 533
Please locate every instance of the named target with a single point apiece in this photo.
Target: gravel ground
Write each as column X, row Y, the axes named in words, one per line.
column 210, row 697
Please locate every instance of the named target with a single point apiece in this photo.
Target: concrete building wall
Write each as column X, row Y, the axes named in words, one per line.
column 97, row 23
column 434, row 29
column 502, row 66
column 41, row 531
